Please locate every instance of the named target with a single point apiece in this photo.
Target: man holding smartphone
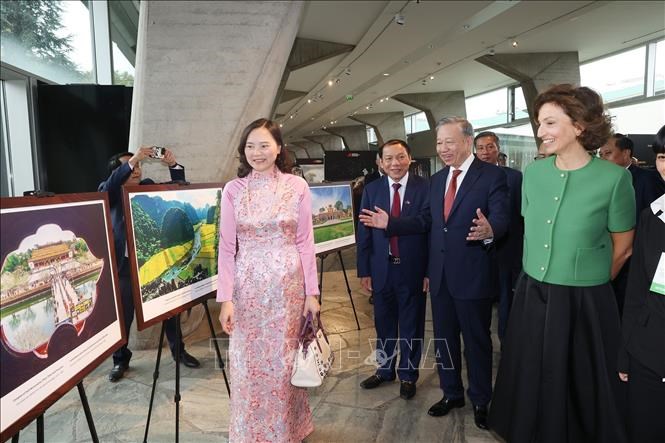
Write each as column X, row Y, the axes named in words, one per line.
column 125, row 169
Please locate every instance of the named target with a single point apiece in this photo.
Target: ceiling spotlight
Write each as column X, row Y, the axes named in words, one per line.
column 431, row 77
column 385, row 74
column 381, row 101
column 330, row 82
column 367, row 107
column 336, row 81
column 399, row 19
column 491, row 51
column 281, row 125
column 387, row 98
column 514, row 43
column 291, row 116
column 309, row 100
column 466, row 27
column 319, row 96
column 424, row 82
column 347, row 71
column 312, row 118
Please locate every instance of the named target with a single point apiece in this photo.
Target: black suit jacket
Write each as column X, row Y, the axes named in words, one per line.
column 467, row 264
column 412, row 228
column 509, row 247
column 643, row 324
column 645, row 183
column 113, row 185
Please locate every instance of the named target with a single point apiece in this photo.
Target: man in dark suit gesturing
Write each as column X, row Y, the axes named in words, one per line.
column 392, row 261
column 125, row 169
column 508, row 249
column 468, row 200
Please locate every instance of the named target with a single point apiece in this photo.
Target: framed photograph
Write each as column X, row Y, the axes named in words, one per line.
column 60, row 312
column 313, row 173
column 332, row 216
column 172, row 243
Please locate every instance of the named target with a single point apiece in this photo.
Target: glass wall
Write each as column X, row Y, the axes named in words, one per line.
column 617, row 77
column 490, row 108
column 415, row 123
column 51, row 39
column 124, row 21
column 659, row 74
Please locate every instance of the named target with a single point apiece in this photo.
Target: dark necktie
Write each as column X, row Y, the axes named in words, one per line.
column 395, row 211
column 450, row 194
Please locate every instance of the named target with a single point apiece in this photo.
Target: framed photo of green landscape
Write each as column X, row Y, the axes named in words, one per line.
column 172, row 242
column 332, row 216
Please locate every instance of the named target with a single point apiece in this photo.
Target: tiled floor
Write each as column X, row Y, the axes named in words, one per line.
column 343, row 412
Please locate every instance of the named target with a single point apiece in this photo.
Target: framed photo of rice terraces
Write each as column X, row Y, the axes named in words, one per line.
column 172, row 243
column 332, row 216
column 59, row 300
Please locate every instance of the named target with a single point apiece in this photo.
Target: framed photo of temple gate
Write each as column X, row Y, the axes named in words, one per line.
column 172, row 245
column 332, row 216
column 60, row 312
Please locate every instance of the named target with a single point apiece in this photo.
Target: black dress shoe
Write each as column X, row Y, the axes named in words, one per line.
column 372, row 382
column 407, row 389
column 188, row 360
column 118, row 372
column 480, row 417
column 444, row 406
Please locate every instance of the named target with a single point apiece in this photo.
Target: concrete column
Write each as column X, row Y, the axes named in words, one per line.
column 387, row 125
column 353, row 137
column 327, row 142
column 204, row 70
column 536, row 72
column 436, row 104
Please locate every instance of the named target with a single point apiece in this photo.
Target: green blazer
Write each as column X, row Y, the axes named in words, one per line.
column 568, row 218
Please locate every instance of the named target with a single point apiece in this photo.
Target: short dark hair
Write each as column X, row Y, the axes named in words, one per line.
column 283, row 162
column 585, row 108
column 395, row 141
column 114, row 162
column 659, row 142
column 487, row 134
column 623, row 142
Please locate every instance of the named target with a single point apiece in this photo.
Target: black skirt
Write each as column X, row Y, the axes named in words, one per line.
column 557, row 379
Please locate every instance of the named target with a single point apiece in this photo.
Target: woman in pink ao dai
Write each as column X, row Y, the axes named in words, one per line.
column 267, row 282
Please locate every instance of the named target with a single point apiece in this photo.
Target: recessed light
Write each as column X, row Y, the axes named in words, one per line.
column 330, row 82
column 514, row 43
column 309, row 100
column 431, row 77
column 386, row 74
column 467, row 27
column 281, row 125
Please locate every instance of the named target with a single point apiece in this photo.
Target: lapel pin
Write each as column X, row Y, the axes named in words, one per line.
column 407, row 202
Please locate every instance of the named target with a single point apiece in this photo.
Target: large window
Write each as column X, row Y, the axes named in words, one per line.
column 617, row 77
column 416, row 123
column 518, row 144
column 641, row 118
column 490, row 108
column 659, row 71
column 124, row 18
column 48, row 38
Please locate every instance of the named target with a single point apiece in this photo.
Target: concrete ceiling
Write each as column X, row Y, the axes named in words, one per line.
column 442, row 39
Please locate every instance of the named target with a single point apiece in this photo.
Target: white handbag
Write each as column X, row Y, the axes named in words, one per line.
column 314, row 356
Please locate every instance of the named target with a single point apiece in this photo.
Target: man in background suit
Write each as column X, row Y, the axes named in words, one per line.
column 125, row 169
column 619, row 150
column 508, row 249
column 469, row 204
column 392, row 262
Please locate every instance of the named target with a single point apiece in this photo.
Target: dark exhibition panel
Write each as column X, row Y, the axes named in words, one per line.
column 347, row 165
column 79, row 128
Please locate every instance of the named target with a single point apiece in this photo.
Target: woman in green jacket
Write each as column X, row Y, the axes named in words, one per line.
column 556, row 380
